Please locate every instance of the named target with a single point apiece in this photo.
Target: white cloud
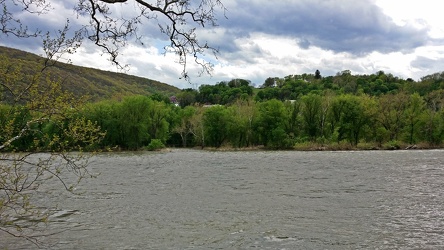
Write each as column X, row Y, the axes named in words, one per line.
column 421, row 13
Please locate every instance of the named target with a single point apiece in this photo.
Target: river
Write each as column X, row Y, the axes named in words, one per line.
column 193, row 199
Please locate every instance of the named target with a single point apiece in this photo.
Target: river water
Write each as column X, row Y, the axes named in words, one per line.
column 192, row 199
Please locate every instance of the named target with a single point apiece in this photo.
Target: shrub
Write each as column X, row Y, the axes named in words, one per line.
column 392, row 145
column 155, row 144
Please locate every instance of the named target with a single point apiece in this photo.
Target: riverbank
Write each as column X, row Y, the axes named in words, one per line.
column 311, row 146
column 342, row 146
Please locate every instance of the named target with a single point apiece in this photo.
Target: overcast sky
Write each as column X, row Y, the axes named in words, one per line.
column 262, row 38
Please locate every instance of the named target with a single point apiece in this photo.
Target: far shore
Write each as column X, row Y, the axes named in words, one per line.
column 318, row 147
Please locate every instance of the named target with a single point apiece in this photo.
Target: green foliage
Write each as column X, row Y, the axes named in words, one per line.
column 133, row 122
column 160, row 98
column 349, row 117
column 412, row 115
column 272, row 117
column 292, row 87
column 216, row 122
column 311, row 112
column 224, row 93
column 155, row 144
column 184, row 126
column 240, row 128
column 187, row 97
column 432, row 127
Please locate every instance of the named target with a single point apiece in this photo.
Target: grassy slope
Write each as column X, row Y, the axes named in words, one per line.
column 97, row 84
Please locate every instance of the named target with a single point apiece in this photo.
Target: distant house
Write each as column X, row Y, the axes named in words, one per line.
column 173, row 100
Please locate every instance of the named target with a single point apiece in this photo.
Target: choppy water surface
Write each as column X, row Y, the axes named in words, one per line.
column 186, row 199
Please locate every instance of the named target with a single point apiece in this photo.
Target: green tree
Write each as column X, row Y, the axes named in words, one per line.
column 318, row 74
column 133, row 121
column 294, row 124
column 268, row 94
column 349, row 117
column 159, row 114
column 413, row 112
column 197, row 127
column 236, row 83
column 240, row 130
column 187, row 97
column 270, row 124
column 432, row 121
column 326, row 103
column 160, row 98
column 216, row 122
column 105, row 114
column 432, row 127
column 270, row 82
column 311, row 111
column 184, row 127
column 355, row 118
column 391, row 113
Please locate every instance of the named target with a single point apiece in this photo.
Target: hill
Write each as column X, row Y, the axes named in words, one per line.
column 98, row 84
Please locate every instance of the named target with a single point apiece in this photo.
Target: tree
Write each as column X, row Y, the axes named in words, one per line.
column 160, row 98
column 415, row 108
column 133, row 121
column 37, row 116
column 178, row 20
column 269, row 82
column 433, row 118
column 294, row 122
column 270, row 125
column 240, row 130
column 183, row 128
column 391, row 113
column 355, row 117
column 235, row 83
column 158, row 127
column 349, row 116
column 216, row 124
column 311, row 112
column 197, row 128
column 318, row 74
column 105, row 115
column 187, row 97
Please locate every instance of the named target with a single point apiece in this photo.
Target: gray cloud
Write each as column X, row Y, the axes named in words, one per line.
column 428, row 65
column 423, row 63
column 357, row 27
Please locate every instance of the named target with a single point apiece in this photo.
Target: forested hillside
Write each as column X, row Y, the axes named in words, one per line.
column 81, row 81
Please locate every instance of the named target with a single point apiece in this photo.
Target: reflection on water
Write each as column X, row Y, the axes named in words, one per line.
column 186, row 199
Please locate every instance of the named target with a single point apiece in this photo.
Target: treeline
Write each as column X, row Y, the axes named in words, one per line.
column 401, row 114
column 293, row 87
column 222, row 93
column 387, row 121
